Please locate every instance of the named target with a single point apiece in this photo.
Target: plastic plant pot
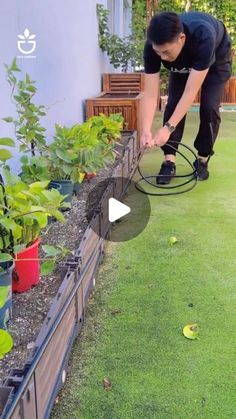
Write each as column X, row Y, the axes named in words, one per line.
column 65, row 187
column 77, row 188
column 90, row 175
column 27, row 268
column 6, row 281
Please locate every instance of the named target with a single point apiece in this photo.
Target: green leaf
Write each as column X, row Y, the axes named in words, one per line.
column 5, row 257
column 7, row 141
column 65, row 205
column 18, row 248
column 63, row 155
column 53, row 195
column 30, row 136
column 14, row 66
column 58, row 215
column 4, row 244
column 3, row 295
column 8, row 119
column 51, row 250
column 24, row 159
column 42, row 219
column 11, row 225
column 31, row 89
column 6, row 342
column 5, row 154
column 27, row 78
column 22, row 147
column 38, row 186
column 47, row 267
column 29, row 197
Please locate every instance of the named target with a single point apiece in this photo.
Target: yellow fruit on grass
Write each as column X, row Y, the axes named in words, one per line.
column 191, row 331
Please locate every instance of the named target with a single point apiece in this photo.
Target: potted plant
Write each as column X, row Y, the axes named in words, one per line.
column 6, row 265
column 76, row 153
column 22, row 217
column 108, row 131
column 29, row 132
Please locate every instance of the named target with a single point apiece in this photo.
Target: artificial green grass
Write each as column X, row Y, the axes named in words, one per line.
column 155, row 372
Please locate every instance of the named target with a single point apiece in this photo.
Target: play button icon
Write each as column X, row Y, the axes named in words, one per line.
column 116, row 210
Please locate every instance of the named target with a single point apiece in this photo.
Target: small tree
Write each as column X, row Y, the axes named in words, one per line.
column 29, row 132
column 126, row 51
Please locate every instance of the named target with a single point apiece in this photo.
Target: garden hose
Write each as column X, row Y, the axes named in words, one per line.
column 191, row 177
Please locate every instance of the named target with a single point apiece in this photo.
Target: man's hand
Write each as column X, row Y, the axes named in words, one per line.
column 162, row 136
column 146, row 140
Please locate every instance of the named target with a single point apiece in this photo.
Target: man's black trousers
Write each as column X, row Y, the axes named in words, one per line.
column 211, row 94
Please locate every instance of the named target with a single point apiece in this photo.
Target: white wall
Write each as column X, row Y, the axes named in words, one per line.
column 68, row 63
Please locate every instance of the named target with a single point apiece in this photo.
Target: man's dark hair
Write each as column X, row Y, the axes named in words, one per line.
column 164, row 27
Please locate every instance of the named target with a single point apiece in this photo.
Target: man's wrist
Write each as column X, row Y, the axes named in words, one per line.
column 170, row 127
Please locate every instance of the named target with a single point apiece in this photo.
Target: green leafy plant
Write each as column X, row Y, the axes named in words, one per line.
column 34, row 168
column 29, row 133
column 122, row 52
column 108, row 131
column 138, row 31
column 24, row 212
column 75, row 151
column 72, row 152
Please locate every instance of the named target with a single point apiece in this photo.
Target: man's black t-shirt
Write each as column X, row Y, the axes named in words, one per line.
column 207, row 45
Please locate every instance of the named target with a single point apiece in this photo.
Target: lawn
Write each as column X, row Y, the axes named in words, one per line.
column 155, row 289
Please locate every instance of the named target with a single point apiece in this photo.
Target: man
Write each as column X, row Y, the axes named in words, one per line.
column 196, row 48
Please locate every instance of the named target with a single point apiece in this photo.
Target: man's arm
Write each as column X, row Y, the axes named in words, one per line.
column 194, row 82
column 149, row 105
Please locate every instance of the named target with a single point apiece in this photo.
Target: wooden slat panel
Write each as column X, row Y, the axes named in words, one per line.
column 51, row 360
column 92, row 238
column 123, row 82
column 27, row 406
column 229, row 95
column 87, row 281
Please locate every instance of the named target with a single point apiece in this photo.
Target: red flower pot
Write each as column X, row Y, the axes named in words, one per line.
column 26, row 272
column 90, row 175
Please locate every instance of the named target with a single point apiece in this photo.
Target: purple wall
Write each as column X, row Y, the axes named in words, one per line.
column 67, row 63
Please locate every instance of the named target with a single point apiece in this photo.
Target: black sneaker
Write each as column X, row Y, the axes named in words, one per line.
column 201, row 169
column 167, row 171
